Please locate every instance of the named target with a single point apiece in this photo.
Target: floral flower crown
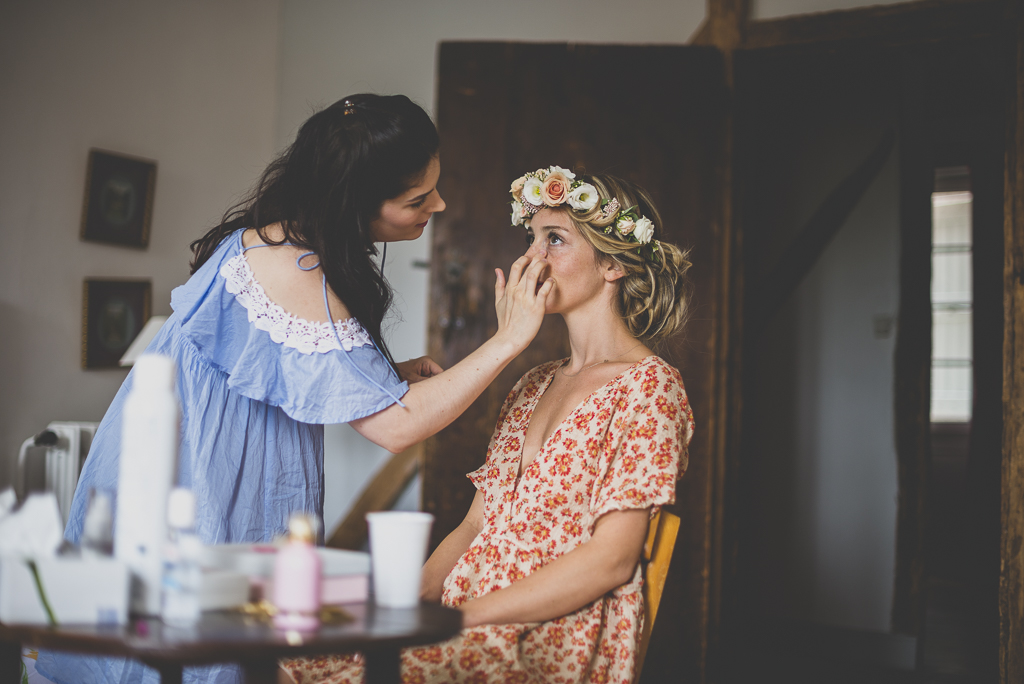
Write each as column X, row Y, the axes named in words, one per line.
column 554, row 186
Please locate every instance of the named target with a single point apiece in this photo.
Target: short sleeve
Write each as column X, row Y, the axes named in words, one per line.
column 646, row 447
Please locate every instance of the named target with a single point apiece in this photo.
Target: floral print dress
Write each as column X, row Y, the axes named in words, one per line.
column 622, row 448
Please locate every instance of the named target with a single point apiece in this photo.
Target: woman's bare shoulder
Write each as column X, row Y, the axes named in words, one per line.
column 297, row 291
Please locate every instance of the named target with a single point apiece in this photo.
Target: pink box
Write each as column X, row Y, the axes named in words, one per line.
column 346, row 574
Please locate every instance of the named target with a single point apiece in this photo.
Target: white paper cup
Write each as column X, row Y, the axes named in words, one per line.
column 398, row 549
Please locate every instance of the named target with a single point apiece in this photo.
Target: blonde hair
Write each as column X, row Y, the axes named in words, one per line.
column 654, row 293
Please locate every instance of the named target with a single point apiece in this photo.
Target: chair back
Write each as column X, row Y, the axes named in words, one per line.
column 661, row 540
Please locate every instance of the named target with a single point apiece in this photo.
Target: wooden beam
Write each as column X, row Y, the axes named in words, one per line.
column 723, row 28
column 1011, row 576
column 775, row 288
column 724, row 24
column 912, row 376
column 379, row 495
column 702, row 36
column 898, row 24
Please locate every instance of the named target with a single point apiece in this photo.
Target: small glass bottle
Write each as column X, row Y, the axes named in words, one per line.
column 183, row 576
column 297, row 575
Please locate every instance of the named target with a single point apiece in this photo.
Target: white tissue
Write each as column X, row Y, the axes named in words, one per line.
column 33, row 531
column 7, row 500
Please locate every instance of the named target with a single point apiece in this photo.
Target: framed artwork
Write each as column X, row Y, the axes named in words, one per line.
column 118, row 199
column 113, row 313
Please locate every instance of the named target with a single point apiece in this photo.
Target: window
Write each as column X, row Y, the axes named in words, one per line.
column 952, row 297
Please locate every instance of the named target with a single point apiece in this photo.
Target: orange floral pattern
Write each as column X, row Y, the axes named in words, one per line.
column 622, row 448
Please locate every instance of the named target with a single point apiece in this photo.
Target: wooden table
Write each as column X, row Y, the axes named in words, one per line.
column 378, row 633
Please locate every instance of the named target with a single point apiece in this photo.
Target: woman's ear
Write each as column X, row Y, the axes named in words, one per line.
column 612, row 271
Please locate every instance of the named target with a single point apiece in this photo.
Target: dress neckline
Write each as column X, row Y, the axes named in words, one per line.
column 555, row 365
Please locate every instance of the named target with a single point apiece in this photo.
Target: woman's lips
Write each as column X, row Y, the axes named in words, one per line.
column 422, row 225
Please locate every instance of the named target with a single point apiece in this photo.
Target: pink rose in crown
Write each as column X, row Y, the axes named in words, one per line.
column 517, row 187
column 555, row 189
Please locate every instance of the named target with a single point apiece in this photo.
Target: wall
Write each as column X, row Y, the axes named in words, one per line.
column 190, row 84
column 821, row 443
column 832, row 439
column 771, row 9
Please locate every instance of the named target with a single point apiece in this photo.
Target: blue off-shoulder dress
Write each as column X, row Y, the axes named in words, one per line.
column 256, row 387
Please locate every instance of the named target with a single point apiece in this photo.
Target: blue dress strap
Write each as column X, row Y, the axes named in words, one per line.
column 298, row 261
column 334, row 328
column 263, row 244
column 330, row 318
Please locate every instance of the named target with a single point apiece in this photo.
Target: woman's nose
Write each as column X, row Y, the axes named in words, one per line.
column 536, row 251
column 439, row 205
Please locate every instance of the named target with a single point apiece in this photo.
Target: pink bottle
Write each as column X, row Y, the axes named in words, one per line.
column 297, row 574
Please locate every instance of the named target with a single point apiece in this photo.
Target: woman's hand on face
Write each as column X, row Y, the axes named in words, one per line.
column 520, row 303
column 415, row 370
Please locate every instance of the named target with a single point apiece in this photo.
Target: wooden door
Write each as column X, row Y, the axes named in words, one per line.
column 655, row 115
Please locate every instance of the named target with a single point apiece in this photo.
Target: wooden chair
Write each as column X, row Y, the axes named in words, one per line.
column 661, row 540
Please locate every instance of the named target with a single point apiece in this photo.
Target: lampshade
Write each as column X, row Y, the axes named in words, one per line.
column 142, row 340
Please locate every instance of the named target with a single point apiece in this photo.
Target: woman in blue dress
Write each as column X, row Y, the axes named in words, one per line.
column 261, row 368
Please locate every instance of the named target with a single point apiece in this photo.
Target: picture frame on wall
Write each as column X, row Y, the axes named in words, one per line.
column 118, row 205
column 113, row 313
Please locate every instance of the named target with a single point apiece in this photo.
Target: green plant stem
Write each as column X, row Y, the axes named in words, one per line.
column 50, row 617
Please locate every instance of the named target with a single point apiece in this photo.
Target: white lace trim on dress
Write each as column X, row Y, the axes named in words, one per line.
column 305, row 336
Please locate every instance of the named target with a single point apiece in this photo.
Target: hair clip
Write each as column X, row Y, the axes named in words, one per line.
column 350, row 107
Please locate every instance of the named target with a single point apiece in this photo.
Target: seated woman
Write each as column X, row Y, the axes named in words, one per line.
column 545, row 567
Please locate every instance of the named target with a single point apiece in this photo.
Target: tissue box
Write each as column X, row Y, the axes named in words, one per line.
column 346, row 574
column 80, row 590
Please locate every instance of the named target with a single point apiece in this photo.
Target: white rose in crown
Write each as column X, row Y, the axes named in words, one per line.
column 517, row 212
column 568, row 174
column 583, row 198
column 625, row 225
column 644, row 230
column 532, row 192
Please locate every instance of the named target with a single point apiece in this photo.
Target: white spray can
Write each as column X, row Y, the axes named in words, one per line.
column 146, row 473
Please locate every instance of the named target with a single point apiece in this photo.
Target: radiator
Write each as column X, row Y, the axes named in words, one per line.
column 52, row 460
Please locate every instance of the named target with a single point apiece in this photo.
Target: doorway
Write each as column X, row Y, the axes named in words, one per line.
column 840, row 502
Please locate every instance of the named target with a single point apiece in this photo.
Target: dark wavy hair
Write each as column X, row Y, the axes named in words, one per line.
column 327, row 188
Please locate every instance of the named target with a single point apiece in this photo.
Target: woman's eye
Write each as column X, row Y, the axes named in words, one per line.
column 418, row 203
column 554, row 239
column 529, row 239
